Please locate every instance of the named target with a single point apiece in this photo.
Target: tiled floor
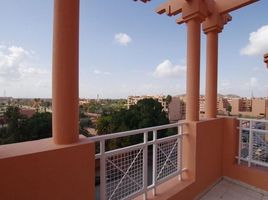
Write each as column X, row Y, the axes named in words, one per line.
column 228, row 190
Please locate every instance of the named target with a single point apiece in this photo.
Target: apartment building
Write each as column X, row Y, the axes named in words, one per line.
column 132, row 100
column 83, row 101
column 255, row 107
column 245, row 107
column 202, row 104
column 222, row 105
column 176, row 109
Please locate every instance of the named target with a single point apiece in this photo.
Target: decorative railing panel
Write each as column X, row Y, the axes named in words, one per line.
column 253, row 142
column 167, row 158
column 133, row 170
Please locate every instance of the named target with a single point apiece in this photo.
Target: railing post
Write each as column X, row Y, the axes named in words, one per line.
column 240, row 141
column 250, row 145
column 180, row 142
column 102, row 171
column 154, row 161
column 145, row 165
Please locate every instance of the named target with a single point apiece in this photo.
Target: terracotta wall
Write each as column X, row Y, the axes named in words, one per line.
column 214, row 156
column 40, row 170
column 208, row 155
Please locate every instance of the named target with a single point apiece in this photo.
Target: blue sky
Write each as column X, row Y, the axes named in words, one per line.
column 127, row 49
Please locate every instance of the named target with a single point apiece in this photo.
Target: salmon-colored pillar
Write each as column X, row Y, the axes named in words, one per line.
column 212, row 26
column 193, row 69
column 211, row 74
column 65, row 71
column 266, row 59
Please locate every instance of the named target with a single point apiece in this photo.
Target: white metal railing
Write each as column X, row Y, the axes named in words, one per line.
column 128, row 172
column 253, row 142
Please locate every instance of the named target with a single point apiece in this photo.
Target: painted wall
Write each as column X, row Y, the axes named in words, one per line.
column 214, row 157
column 41, row 170
column 208, row 164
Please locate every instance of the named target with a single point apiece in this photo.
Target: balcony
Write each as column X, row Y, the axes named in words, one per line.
column 183, row 165
column 177, row 161
column 140, row 169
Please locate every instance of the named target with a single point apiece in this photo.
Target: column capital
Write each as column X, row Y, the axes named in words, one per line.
column 215, row 22
column 197, row 9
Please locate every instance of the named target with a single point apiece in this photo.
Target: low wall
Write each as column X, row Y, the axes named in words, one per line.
column 208, row 157
column 41, row 170
column 215, row 156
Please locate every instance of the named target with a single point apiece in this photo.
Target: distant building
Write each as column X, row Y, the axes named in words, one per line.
column 133, row 100
column 27, row 112
column 255, row 107
column 202, row 103
column 176, row 109
column 222, row 105
column 5, row 100
column 83, row 101
column 245, row 107
column 3, row 109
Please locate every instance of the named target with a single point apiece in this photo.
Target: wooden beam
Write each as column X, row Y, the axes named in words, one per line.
column 225, row 6
column 171, row 7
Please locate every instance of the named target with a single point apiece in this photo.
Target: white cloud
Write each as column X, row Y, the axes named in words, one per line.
column 21, row 74
column 253, row 82
column 122, row 39
column 256, row 69
column 225, row 83
column 15, row 64
column 258, row 42
column 98, row 72
column 168, row 69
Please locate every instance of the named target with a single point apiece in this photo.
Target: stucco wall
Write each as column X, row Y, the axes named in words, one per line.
column 208, row 164
column 41, row 170
column 214, row 156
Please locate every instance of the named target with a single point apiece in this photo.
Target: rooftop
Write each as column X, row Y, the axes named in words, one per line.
column 176, row 161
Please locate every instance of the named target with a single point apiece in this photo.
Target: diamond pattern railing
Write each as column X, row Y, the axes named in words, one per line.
column 131, row 171
column 253, row 142
column 167, row 158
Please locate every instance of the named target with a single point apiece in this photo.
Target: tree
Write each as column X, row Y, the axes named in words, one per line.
column 103, row 125
column 229, row 110
column 168, row 99
column 85, row 122
column 39, row 126
column 20, row 128
column 14, row 119
column 146, row 113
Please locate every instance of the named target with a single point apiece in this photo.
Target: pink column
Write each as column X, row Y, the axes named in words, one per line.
column 212, row 26
column 65, row 71
column 193, row 69
column 211, row 74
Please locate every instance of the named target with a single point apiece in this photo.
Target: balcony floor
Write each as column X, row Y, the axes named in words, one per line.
column 229, row 190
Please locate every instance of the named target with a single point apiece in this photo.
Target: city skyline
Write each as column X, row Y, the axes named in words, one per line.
column 134, row 52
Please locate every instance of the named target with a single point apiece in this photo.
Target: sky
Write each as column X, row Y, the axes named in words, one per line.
column 127, row 49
